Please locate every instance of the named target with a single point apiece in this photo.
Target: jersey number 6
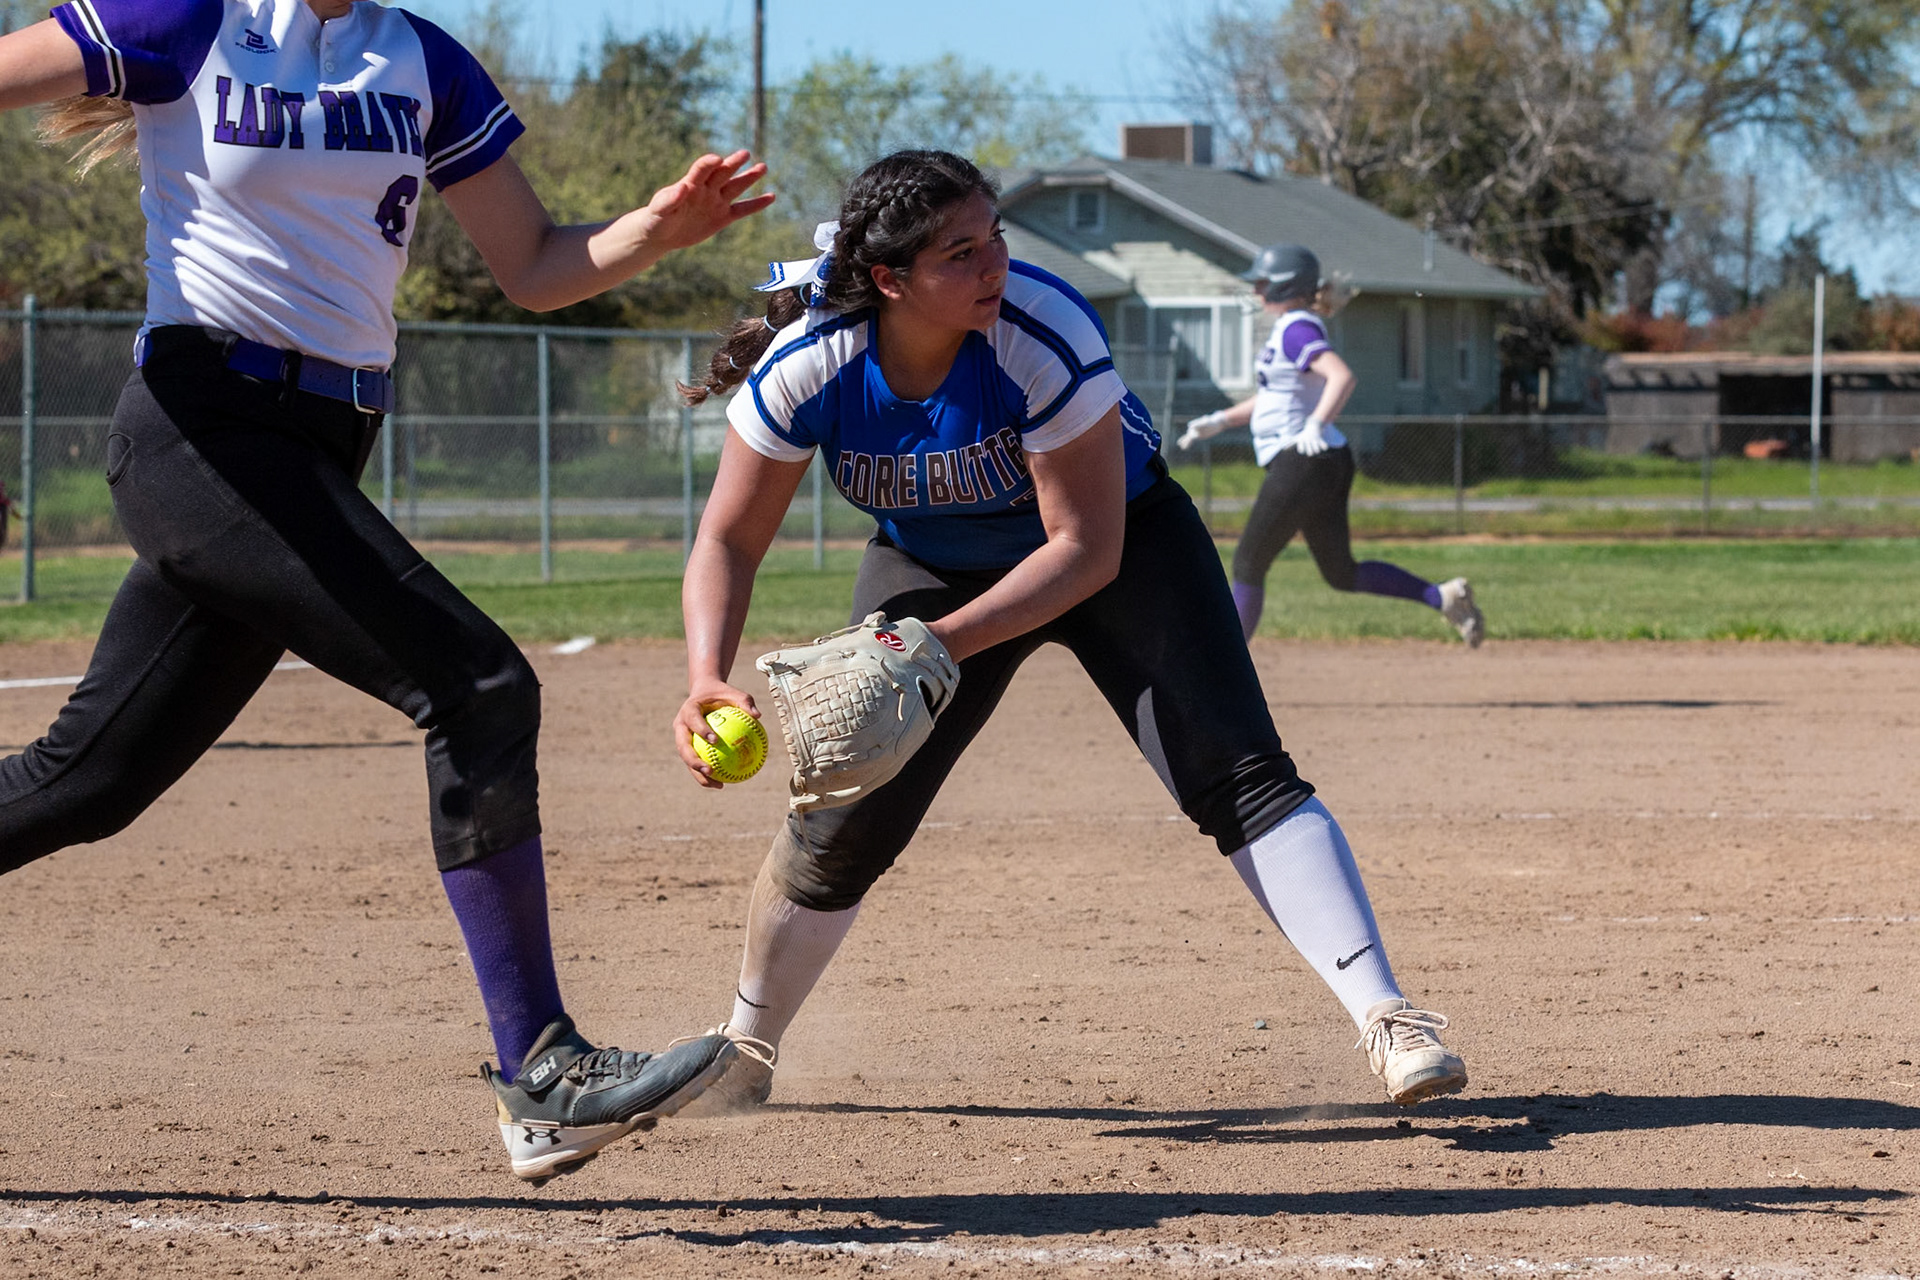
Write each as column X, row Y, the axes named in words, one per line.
column 392, row 215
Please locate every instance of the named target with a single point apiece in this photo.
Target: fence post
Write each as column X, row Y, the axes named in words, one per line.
column 1206, row 484
column 1173, row 370
column 1819, row 385
column 686, row 454
column 1459, row 473
column 29, row 411
column 413, row 480
column 819, row 510
column 1706, row 475
column 546, row 456
column 386, row 464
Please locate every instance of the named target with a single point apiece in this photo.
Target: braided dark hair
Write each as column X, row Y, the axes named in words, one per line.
column 891, row 212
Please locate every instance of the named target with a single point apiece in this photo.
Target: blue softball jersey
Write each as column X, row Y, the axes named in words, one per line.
column 281, row 157
column 946, row 478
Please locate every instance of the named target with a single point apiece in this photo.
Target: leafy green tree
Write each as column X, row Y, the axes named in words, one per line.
column 1783, row 323
column 616, row 134
column 73, row 243
column 843, row 112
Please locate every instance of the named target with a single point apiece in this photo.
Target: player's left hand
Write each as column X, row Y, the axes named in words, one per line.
column 706, row 201
column 1312, row 440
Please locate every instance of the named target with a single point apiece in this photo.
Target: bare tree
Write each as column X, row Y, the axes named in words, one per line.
column 1560, row 138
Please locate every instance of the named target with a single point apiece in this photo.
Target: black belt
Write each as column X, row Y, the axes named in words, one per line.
column 368, row 390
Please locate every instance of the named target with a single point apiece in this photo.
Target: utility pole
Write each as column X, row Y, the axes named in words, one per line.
column 1746, row 246
column 759, row 79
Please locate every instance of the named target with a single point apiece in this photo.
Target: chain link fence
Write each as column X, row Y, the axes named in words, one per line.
column 524, row 437
column 1561, row 475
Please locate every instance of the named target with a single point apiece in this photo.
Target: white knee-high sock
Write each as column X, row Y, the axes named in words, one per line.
column 1303, row 875
column 788, row 948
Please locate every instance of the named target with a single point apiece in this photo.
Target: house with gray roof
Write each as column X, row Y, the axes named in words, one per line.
column 1157, row 246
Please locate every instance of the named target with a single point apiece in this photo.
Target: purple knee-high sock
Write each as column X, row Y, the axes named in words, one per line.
column 501, row 904
column 1247, row 602
column 1378, row 578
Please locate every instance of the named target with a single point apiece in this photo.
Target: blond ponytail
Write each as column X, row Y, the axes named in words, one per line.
column 102, row 126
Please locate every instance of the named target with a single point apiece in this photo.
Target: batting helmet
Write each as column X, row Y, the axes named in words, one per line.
column 1286, row 271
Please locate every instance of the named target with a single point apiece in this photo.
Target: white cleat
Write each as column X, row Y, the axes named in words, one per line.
column 1403, row 1048
column 747, row 1082
column 1458, row 608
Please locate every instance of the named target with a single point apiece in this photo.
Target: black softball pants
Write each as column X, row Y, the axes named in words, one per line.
column 1306, row 496
column 1161, row 642
column 241, row 499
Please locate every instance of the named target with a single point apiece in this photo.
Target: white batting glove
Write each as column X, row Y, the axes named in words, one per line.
column 1204, row 428
column 1312, row 440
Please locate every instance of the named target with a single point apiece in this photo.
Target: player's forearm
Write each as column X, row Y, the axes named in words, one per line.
column 39, row 64
column 1056, row 577
column 1238, row 415
column 714, row 597
column 574, row 263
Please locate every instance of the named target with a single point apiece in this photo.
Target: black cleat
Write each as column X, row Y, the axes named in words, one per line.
column 571, row 1099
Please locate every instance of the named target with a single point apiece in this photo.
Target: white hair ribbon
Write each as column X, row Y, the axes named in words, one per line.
column 809, row 275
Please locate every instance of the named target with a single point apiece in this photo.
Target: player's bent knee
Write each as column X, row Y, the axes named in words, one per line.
column 821, row 880
column 503, row 705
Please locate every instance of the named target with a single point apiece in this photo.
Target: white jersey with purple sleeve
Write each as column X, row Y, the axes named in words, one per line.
column 946, row 477
column 1289, row 390
column 281, row 158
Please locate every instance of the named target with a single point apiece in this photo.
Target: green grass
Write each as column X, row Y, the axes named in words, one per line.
column 1843, row 591
column 1853, row 591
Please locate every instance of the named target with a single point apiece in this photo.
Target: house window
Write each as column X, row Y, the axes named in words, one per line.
column 1211, row 341
column 1413, row 343
column 1463, row 342
column 1087, row 210
column 1193, row 327
column 1230, row 366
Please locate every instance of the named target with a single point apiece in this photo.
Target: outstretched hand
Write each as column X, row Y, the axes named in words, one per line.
column 706, row 201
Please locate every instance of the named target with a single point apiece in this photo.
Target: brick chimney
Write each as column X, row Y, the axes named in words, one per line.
column 1182, row 143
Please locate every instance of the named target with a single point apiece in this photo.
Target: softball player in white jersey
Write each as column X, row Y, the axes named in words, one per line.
column 284, row 146
column 1303, row 385
column 971, row 406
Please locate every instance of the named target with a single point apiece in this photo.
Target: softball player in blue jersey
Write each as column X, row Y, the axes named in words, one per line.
column 971, row 406
column 283, row 147
column 1303, row 385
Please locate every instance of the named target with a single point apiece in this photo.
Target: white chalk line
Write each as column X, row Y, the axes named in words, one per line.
column 55, row 682
column 70, row 1223
column 569, row 648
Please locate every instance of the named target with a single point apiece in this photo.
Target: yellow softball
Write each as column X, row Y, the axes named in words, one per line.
column 742, row 748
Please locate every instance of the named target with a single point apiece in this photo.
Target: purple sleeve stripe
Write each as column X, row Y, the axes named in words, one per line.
column 145, row 51
column 1308, row 352
column 478, row 138
column 106, row 71
column 460, row 163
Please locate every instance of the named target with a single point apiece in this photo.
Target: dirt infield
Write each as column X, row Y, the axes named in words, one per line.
column 1670, row 896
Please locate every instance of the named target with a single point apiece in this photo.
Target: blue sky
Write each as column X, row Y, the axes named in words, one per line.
column 1105, row 48
column 1109, row 49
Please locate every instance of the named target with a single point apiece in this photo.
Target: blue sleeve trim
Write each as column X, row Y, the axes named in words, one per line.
column 144, row 51
column 472, row 123
column 1077, row 374
column 811, row 338
column 1065, row 290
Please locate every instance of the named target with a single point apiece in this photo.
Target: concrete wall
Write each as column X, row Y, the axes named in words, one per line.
column 1858, row 395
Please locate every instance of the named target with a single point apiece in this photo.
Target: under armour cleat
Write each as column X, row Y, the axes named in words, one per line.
column 1458, row 608
column 571, row 1099
column 1403, row 1048
column 748, row 1080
